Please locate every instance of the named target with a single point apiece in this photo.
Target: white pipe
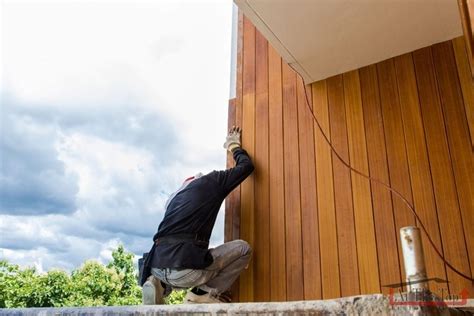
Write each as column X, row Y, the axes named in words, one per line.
column 414, row 259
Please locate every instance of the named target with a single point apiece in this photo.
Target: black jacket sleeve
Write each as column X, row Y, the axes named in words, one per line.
column 229, row 179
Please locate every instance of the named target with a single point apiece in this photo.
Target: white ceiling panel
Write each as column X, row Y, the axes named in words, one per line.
column 322, row 38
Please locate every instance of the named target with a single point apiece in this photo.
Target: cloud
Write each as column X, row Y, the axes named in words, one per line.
column 101, row 121
column 32, row 178
column 112, row 171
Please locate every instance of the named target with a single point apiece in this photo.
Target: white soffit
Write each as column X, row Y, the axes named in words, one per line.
column 322, row 38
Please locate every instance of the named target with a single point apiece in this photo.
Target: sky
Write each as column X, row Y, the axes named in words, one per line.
column 106, row 107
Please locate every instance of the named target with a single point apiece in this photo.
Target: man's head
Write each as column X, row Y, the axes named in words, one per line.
column 184, row 185
column 190, row 179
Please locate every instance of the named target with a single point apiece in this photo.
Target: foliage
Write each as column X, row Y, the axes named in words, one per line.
column 176, row 297
column 93, row 284
column 26, row 288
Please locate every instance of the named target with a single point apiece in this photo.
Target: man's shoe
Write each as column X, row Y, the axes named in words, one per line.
column 192, row 298
column 152, row 292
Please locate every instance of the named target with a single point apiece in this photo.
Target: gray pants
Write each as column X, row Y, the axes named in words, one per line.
column 229, row 260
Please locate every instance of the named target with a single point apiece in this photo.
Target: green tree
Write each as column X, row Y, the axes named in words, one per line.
column 27, row 288
column 52, row 289
column 93, row 284
column 8, row 282
column 176, row 297
column 122, row 263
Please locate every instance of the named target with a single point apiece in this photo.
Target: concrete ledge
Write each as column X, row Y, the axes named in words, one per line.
column 356, row 305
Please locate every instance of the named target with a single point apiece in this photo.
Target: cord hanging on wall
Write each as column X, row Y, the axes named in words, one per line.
column 398, row 194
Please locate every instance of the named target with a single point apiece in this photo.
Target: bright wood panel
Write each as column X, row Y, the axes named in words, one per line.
column 385, row 230
column 467, row 82
column 321, row 231
column 262, row 189
column 294, row 255
column 246, row 291
column 325, row 190
column 418, row 162
column 361, row 193
column 467, row 86
column 238, row 122
column 396, row 151
column 451, row 228
column 346, row 237
column 309, row 202
column 458, row 135
column 277, row 195
column 231, row 198
column 235, row 195
column 466, row 10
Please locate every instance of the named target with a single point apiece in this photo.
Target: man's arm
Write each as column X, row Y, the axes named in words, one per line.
column 229, row 179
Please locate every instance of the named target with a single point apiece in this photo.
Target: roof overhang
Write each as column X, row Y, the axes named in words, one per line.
column 322, row 38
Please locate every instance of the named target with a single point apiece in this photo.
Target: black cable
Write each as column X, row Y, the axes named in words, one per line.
column 411, row 207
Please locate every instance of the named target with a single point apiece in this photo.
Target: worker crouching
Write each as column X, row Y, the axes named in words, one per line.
column 180, row 256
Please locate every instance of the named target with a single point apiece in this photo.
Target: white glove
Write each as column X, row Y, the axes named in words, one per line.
column 233, row 139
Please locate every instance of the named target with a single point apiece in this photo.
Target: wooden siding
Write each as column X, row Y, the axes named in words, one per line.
column 318, row 229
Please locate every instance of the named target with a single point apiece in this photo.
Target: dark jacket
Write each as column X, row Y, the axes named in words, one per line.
column 191, row 214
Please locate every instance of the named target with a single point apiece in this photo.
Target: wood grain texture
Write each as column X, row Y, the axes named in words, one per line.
column 235, row 194
column 466, row 10
column 396, row 150
column 452, row 233
column 385, row 230
column 309, row 202
column 418, row 162
column 230, row 199
column 467, row 86
column 346, row 237
column 238, row 122
column 321, row 231
column 262, row 189
column 277, row 185
column 457, row 134
column 361, row 193
column 294, row 255
column 325, row 190
column 467, row 83
column 247, row 219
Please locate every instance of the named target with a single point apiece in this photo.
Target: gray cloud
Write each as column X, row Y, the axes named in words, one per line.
column 36, row 183
column 32, row 179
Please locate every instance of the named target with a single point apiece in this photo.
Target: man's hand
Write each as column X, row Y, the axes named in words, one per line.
column 233, row 138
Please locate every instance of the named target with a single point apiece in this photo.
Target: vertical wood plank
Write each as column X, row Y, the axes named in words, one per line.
column 235, row 194
column 324, row 185
column 238, row 122
column 230, row 199
column 262, row 195
column 248, row 143
column 277, row 192
column 466, row 10
column 309, row 203
column 399, row 174
column 467, row 83
column 452, row 233
column 361, row 194
column 294, row 256
column 346, row 238
column 467, row 86
column 458, row 135
column 386, row 234
column 418, row 162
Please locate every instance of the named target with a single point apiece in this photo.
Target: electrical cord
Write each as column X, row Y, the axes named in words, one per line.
column 411, row 207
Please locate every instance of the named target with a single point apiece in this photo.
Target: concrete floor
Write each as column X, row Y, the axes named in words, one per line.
column 356, row 305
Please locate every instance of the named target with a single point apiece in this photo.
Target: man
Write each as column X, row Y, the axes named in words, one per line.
column 180, row 257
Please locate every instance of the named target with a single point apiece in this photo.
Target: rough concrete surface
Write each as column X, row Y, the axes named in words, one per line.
column 356, row 305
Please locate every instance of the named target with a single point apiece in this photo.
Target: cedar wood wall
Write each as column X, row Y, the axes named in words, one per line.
column 319, row 230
